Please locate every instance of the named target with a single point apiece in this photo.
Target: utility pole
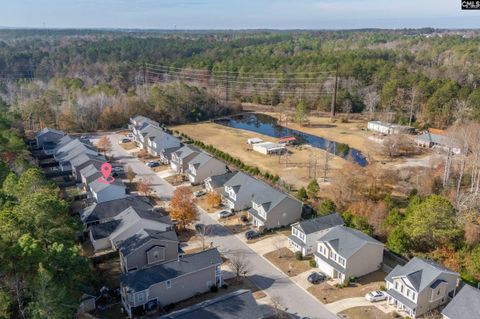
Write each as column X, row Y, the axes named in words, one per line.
column 226, row 87
column 325, row 167
column 334, row 97
column 414, row 92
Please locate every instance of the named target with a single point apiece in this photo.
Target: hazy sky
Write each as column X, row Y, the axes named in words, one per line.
column 238, row 14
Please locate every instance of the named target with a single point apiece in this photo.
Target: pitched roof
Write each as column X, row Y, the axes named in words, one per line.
column 465, row 305
column 269, row 197
column 202, row 159
column 143, row 119
column 219, row 180
column 132, row 243
column 347, row 241
column 320, row 223
column 50, row 130
column 239, row 304
column 421, row 273
column 97, row 186
column 128, row 218
column 142, row 279
column 110, row 209
column 85, row 158
column 185, row 151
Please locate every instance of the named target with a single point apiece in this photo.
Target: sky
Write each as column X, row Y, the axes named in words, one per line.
column 238, row 14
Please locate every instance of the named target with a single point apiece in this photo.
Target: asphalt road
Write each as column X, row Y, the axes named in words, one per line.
column 293, row 299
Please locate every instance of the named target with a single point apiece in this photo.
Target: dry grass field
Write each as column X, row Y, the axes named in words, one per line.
column 234, row 142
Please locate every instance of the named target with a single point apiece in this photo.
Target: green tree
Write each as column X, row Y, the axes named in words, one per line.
column 300, row 113
column 431, row 223
column 313, row 189
column 326, row 207
column 302, row 194
column 398, row 240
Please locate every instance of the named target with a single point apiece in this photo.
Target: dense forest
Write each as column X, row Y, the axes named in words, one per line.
column 426, row 77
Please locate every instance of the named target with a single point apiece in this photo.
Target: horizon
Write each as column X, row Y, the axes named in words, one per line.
column 234, row 15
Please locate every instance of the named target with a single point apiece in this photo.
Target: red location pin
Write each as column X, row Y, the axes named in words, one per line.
column 106, row 169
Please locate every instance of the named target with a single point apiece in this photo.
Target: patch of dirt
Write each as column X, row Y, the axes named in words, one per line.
column 284, row 259
column 366, row 313
column 327, row 293
column 128, row 146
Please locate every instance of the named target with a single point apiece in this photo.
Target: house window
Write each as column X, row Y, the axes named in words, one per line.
column 396, row 285
column 156, row 254
column 169, row 284
column 209, row 284
column 140, row 297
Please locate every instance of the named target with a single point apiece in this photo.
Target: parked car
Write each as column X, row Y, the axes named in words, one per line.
column 117, row 169
column 252, row 234
column 124, row 140
column 225, row 214
column 153, row 164
column 199, row 193
column 316, row 277
column 130, row 135
column 377, row 295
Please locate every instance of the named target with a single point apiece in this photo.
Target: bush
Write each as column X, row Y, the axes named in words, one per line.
column 298, row 255
column 224, row 286
column 312, row 263
column 214, row 288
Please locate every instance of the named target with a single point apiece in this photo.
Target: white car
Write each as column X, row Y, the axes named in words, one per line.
column 377, row 295
column 199, row 193
column 117, row 169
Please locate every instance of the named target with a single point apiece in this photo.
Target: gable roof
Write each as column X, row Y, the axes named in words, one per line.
column 217, row 181
column 132, row 243
column 465, row 305
column 185, row 151
column 269, row 197
column 144, row 119
column 239, row 304
column 320, row 223
column 97, row 186
column 50, row 130
column 203, row 158
column 128, row 218
column 347, row 241
column 86, row 158
column 144, row 278
column 421, row 273
column 109, row 209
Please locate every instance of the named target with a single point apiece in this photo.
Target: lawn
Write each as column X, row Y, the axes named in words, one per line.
column 203, row 203
column 284, row 259
column 327, row 293
column 366, row 313
column 234, row 224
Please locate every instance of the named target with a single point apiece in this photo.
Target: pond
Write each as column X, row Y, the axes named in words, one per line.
column 268, row 125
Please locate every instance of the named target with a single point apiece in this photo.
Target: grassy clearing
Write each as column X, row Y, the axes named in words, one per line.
column 366, row 313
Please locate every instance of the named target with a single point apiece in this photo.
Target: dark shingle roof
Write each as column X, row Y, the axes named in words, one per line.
column 239, row 304
column 320, row 223
column 465, row 305
column 132, row 243
column 142, row 279
column 217, row 181
column 421, row 273
column 110, row 209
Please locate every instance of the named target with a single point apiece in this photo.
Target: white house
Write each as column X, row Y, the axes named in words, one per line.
column 389, row 128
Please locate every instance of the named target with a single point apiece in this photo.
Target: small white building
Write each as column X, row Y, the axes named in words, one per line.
column 254, row 140
column 388, row 128
column 269, row 148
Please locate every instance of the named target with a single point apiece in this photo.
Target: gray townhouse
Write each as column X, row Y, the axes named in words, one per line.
column 420, row 286
column 165, row 154
column 160, row 143
column 144, row 133
column 239, row 191
column 131, row 221
column 343, row 252
column 239, row 304
column 47, row 139
column 306, row 233
column 171, row 282
column 216, row 183
column 102, row 192
column 83, row 160
column 98, row 213
column 203, row 166
column 71, row 150
column 181, row 157
column 465, row 305
column 139, row 122
column 147, row 248
column 272, row 208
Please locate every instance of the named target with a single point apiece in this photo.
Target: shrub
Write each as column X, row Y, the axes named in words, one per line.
column 312, row 263
column 224, row 286
column 214, row 288
column 298, row 255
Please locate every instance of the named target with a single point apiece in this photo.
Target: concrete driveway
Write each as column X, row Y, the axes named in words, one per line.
column 268, row 244
column 344, row 304
column 301, row 279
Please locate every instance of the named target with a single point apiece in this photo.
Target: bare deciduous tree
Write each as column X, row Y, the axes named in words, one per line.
column 240, row 265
